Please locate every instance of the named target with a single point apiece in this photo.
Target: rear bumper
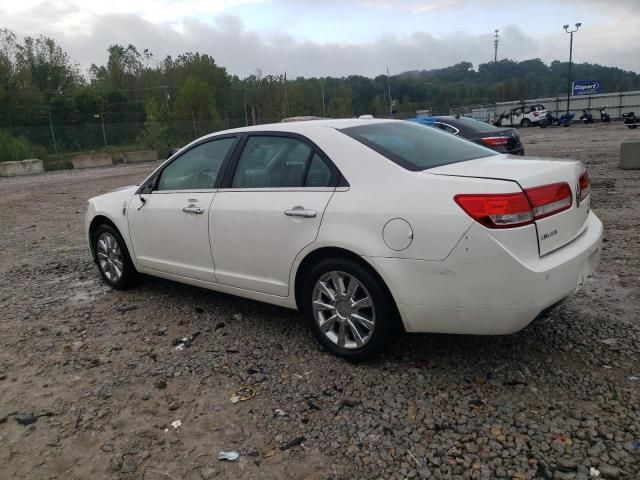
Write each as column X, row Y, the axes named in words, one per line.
column 481, row 288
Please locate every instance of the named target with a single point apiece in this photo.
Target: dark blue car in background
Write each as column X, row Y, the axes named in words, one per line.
column 503, row 140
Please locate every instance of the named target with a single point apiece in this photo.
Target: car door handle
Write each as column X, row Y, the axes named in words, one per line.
column 193, row 209
column 300, row 212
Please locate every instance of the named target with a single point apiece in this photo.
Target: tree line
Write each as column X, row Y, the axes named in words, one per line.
column 40, row 87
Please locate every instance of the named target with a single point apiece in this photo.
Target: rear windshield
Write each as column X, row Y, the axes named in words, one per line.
column 416, row 147
column 476, row 125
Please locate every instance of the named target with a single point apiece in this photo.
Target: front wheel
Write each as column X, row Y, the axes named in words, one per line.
column 350, row 311
column 525, row 123
column 112, row 258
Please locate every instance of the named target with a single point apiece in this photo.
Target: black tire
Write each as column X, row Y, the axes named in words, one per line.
column 543, row 124
column 129, row 274
column 525, row 123
column 387, row 323
column 632, row 126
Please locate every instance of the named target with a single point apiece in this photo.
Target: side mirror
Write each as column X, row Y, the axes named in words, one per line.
column 147, row 187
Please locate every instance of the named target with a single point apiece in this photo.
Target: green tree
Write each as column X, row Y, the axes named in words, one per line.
column 341, row 103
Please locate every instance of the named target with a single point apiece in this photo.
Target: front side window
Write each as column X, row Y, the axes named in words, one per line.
column 279, row 162
column 416, row 147
column 197, row 168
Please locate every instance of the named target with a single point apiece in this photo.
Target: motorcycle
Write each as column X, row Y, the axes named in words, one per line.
column 563, row 121
column 604, row 116
column 631, row 120
column 586, row 116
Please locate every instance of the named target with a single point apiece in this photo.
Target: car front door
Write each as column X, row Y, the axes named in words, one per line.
column 169, row 219
column 269, row 211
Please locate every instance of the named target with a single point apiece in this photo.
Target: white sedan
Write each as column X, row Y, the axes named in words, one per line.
column 370, row 227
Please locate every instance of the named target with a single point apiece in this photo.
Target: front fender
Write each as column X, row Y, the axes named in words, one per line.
column 113, row 207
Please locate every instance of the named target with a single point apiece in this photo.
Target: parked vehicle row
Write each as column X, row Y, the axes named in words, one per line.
column 563, row 120
column 370, row 227
column 537, row 115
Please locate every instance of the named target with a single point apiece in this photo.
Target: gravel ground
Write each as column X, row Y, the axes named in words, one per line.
column 97, row 372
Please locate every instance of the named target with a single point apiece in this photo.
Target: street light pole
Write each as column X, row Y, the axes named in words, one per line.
column 570, row 32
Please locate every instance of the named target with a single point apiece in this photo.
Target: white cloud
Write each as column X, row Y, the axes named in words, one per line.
column 86, row 29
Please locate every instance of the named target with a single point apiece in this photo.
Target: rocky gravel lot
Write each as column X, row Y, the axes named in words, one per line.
column 91, row 380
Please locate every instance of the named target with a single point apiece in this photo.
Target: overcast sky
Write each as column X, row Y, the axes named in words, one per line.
column 336, row 37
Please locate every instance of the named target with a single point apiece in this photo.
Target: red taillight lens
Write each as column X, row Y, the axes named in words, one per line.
column 495, row 141
column 508, row 210
column 550, row 199
column 585, row 185
column 497, row 211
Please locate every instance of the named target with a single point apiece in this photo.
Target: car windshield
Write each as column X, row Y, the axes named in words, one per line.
column 416, row 147
column 475, row 125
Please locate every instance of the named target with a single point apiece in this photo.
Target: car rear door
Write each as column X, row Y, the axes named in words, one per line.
column 169, row 221
column 270, row 209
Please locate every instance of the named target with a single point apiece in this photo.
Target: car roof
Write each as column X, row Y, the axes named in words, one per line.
column 304, row 127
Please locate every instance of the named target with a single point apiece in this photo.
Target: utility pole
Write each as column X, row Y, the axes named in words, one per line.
column 166, row 97
column 324, row 113
column 284, row 103
column 496, row 42
column 195, row 129
column 244, row 101
column 570, row 32
column 389, row 92
column 104, row 132
column 53, row 135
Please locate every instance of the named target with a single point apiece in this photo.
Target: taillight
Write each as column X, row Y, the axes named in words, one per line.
column 508, row 210
column 535, row 114
column 585, row 186
column 550, row 199
column 497, row 211
column 495, row 141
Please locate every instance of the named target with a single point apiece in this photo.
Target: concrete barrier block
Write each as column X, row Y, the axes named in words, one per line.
column 140, row 156
column 630, row 155
column 92, row 160
column 24, row 167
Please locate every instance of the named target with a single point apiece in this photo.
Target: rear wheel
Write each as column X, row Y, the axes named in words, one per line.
column 350, row 311
column 112, row 257
column 525, row 123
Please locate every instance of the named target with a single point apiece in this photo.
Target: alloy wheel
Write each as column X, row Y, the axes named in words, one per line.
column 110, row 257
column 343, row 310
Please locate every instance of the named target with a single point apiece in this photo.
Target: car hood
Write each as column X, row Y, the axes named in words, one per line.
column 122, row 192
column 128, row 187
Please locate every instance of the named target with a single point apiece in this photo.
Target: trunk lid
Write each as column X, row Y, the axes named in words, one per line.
column 553, row 231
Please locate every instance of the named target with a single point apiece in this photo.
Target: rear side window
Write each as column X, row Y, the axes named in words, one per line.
column 416, row 147
column 279, row 162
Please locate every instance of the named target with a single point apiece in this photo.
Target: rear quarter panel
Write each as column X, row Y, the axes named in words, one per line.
column 380, row 190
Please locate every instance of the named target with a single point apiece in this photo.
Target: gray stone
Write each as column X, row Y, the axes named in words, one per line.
column 209, row 472
column 128, row 464
column 630, row 154
column 607, row 471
